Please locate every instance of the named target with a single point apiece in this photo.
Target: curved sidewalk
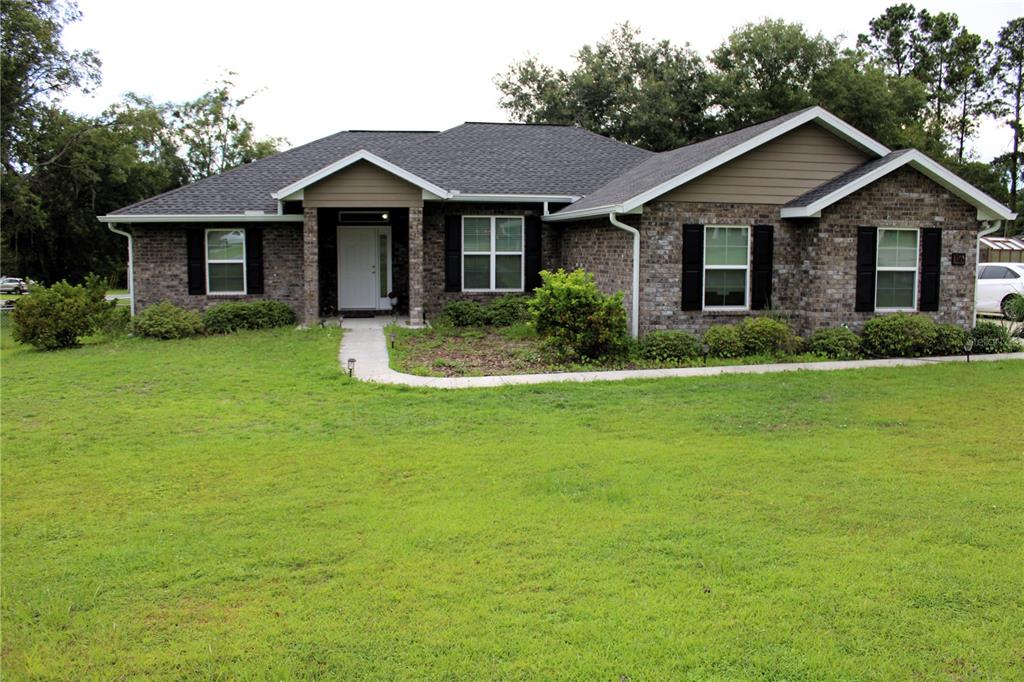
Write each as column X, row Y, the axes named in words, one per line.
column 364, row 341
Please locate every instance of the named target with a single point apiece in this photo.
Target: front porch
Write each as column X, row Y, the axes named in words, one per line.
column 357, row 259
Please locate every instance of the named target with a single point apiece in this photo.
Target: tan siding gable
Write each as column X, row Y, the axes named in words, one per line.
column 775, row 172
column 362, row 185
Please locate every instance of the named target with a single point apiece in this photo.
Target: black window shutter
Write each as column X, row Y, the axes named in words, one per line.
column 196, row 246
column 931, row 262
column 761, row 267
column 866, row 240
column 693, row 265
column 533, row 263
column 254, row 260
column 453, row 253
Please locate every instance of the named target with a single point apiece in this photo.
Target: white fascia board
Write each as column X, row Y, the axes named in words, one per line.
column 201, row 218
column 815, row 114
column 596, row 211
column 361, row 155
column 532, row 198
column 988, row 208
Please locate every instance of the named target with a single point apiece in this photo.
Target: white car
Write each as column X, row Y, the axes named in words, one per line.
column 997, row 284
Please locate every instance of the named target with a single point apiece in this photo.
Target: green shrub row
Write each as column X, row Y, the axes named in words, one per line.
column 502, row 312
column 168, row 321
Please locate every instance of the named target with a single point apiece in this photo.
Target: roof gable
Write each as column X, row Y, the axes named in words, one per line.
column 290, row 191
column 668, row 170
column 811, row 203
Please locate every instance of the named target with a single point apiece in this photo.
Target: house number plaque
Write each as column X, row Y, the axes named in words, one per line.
column 958, row 258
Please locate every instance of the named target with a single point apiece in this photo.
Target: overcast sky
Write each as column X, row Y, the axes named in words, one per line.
column 337, row 65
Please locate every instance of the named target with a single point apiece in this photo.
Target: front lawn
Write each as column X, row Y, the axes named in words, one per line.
column 232, row 507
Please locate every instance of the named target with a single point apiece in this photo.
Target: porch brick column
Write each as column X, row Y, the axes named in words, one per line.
column 416, row 266
column 310, row 314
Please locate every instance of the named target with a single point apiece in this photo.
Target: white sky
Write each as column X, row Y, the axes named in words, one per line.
column 337, row 65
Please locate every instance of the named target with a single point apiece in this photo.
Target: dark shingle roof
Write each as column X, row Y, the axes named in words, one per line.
column 248, row 187
column 839, row 182
column 473, row 158
column 659, row 168
column 508, row 158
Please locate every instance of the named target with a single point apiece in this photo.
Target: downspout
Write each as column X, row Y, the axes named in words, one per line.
column 635, row 316
column 131, row 266
column 994, row 227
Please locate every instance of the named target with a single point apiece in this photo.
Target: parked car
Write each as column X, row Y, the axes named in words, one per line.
column 997, row 284
column 13, row 285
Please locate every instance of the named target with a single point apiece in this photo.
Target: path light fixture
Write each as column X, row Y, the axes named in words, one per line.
column 351, row 366
column 393, row 335
column 968, row 347
column 704, row 350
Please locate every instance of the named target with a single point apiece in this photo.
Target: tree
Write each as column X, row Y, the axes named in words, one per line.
column 892, row 39
column 36, row 71
column 213, row 135
column 1008, row 71
column 969, row 82
column 768, row 69
column 653, row 95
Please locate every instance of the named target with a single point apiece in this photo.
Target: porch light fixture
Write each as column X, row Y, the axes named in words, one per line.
column 383, row 216
column 351, row 366
column 968, row 347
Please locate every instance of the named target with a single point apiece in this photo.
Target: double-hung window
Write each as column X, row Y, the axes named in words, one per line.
column 726, row 267
column 492, row 253
column 896, row 269
column 225, row 261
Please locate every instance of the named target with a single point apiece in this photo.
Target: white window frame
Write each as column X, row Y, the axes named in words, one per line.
column 916, row 269
column 705, row 267
column 493, row 253
column 206, row 258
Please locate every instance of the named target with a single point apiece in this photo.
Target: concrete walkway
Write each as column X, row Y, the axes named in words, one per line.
column 364, row 341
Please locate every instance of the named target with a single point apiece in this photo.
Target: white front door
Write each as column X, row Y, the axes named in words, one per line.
column 364, row 268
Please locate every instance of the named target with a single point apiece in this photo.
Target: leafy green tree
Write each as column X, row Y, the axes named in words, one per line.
column 1008, row 72
column 214, row 136
column 892, row 39
column 654, row 94
column 768, row 69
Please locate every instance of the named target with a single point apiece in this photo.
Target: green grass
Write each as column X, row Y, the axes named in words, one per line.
column 232, row 507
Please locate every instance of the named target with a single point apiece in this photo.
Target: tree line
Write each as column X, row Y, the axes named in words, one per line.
column 912, row 79
column 60, row 169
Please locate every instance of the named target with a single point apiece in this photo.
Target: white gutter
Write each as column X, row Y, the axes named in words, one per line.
column 131, row 264
column 202, row 218
column 635, row 315
column 995, row 226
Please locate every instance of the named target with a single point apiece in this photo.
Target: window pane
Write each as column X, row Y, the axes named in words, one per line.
column 895, row 290
column 726, row 246
column 476, row 272
column 507, row 271
column 476, row 234
column 227, row 277
column 225, row 244
column 897, row 248
column 725, row 287
column 508, row 234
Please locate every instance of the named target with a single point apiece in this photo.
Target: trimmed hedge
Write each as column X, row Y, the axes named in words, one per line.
column 949, row 340
column 766, row 336
column 167, row 321
column 899, row 335
column 836, row 343
column 723, row 341
column 991, row 337
column 232, row 316
column 508, row 310
column 669, row 346
column 462, row 314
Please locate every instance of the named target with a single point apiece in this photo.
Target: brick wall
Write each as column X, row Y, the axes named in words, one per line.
column 606, row 252
column 161, row 274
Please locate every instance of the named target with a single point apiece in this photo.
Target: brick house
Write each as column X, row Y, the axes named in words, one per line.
column 802, row 214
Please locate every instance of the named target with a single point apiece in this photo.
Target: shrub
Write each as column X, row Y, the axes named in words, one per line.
column 167, row 321
column 899, row 335
column 578, row 321
column 766, row 336
column 949, row 340
column 1014, row 312
column 837, row 343
column 669, row 346
column 991, row 337
column 233, row 316
column 508, row 310
column 723, row 341
column 116, row 322
column 462, row 314
column 56, row 317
